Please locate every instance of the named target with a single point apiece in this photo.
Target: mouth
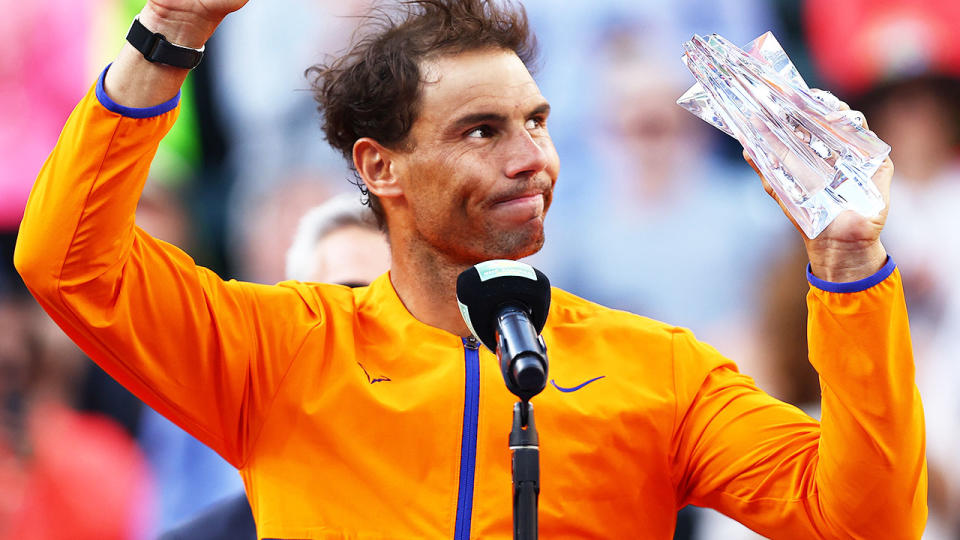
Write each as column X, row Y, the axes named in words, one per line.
column 533, row 193
column 520, row 207
column 521, row 198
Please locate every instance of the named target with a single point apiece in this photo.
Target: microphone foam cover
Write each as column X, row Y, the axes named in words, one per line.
column 486, row 288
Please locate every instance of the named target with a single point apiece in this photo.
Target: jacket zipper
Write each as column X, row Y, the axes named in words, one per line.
column 468, row 446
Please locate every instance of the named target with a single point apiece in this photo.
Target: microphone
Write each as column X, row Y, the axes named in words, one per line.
column 505, row 305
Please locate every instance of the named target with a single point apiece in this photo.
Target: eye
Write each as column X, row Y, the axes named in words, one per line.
column 537, row 122
column 480, row 132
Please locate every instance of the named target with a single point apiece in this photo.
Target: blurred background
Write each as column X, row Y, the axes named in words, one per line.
column 655, row 212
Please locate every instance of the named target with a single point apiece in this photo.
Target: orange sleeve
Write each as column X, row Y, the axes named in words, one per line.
column 206, row 353
column 859, row 473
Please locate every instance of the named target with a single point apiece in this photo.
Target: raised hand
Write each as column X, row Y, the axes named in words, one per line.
column 849, row 248
column 134, row 82
column 187, row 22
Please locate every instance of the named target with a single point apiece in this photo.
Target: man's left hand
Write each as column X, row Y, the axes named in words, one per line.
column 849, row 248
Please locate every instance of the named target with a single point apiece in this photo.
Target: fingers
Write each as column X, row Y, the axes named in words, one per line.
column 853, row 116
column 829, row 99
column 856, row 117
column 883, row 177
column 841, row 109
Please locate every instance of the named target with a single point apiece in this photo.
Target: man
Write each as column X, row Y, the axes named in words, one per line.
column 336, row 242
column 371, row 412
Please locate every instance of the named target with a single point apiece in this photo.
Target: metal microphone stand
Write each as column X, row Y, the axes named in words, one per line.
column 525, row 453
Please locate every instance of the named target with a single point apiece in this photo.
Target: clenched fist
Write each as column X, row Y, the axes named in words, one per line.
column 187, row 22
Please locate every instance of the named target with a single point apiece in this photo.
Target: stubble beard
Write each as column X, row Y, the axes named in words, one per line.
column 496, row 243
column 517, row 243
column 490, row 242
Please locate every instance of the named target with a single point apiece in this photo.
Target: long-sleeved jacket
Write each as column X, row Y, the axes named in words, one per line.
column 349, row 418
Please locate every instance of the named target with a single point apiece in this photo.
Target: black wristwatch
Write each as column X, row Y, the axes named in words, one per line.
column 155, row 48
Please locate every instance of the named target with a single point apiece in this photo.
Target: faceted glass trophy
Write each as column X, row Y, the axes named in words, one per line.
column 819, row 161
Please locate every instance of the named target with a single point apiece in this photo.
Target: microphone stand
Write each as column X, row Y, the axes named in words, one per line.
column 524, row 370
column 525, row 454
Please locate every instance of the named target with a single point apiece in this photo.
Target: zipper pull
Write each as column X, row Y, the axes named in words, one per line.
column 471, row 343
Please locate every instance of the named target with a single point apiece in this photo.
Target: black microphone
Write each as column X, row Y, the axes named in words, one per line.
column 505, row 305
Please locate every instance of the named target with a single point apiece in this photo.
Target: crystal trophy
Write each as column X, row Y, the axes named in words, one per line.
column 818, row 160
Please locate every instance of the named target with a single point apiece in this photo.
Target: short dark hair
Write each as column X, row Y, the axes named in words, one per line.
column 374, row 89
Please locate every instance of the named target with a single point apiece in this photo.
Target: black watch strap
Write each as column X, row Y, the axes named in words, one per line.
column 157, row 49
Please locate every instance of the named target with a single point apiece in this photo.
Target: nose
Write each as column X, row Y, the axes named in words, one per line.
column 525, row 156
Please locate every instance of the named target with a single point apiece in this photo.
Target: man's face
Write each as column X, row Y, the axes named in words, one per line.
column 480, row 176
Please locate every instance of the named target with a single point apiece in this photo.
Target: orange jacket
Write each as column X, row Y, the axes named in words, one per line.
column 349, row 418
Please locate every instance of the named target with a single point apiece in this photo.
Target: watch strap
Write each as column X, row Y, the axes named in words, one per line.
column 155, row 48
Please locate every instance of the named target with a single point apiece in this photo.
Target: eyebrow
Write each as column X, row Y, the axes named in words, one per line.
column 541, row 110
column 495, row 118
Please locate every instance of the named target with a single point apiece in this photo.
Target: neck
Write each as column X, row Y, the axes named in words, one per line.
column 426, row 282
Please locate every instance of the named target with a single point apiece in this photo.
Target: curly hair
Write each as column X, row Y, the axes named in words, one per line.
column 374, row 89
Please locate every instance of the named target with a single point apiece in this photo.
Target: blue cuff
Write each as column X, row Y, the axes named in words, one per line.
column 133, row 112
column 853, row 286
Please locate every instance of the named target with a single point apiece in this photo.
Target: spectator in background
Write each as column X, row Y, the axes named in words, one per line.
column 64, row 474
column 273, row 213
column 336, row 242
column 569, row 34
column 919, row 116
column 900, row 61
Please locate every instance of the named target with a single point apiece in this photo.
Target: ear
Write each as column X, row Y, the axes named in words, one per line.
column 377, row 166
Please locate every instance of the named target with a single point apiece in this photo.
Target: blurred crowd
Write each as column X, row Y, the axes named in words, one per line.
column 655, row 212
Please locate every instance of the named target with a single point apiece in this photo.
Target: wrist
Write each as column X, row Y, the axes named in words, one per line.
column 844, row 263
